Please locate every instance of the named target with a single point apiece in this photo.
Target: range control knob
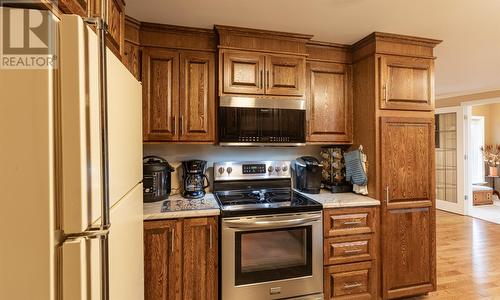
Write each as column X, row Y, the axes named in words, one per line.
column 221, row 170
column 285, row 168
column 278, row 169
column 229, row 170
column 270, row 169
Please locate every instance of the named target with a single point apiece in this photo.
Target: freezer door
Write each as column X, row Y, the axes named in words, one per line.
column 81, row 135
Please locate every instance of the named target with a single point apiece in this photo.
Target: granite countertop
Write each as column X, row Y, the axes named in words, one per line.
column 340, row 200
column 177, row 206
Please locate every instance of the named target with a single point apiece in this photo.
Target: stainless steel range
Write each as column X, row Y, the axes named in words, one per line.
column 271, row 236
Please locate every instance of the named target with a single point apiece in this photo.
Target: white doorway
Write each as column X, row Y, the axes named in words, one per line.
column 449, row 147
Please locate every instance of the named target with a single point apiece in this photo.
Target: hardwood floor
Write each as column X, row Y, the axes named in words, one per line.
column 468, row 258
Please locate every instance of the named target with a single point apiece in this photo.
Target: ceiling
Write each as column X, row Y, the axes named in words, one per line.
column 468, row 59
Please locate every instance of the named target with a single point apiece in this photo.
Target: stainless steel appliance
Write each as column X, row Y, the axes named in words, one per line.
column 307, row 170
column 156, row 178
column 247, row 121
column 194, row 178
column 271, row 236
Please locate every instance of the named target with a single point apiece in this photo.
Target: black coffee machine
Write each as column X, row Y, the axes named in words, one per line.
column 194, row 178
column 307, row 177
column 157, row 178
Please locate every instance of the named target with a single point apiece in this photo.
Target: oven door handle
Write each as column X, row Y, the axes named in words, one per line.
column 266, row 223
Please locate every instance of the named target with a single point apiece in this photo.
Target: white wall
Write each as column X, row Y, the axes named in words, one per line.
column 174, row 154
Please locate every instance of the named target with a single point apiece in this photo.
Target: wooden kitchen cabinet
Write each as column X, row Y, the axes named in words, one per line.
column 180, row 259
column 162, row 259
column 199, row 267
column 329, row 107
column 178, row 95
column 285, row 75
column 350, row 281
column 197, row 96
column 243, row 72
column 408, row 213
column 115, row 38
column 132, row 58
column 406, row 83
column 160, row 97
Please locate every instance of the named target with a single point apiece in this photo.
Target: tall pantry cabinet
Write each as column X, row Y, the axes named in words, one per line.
column 394, row 94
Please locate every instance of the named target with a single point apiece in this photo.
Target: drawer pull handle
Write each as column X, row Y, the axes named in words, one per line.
column 353, row 251
column 352, row 223
column 352, row 285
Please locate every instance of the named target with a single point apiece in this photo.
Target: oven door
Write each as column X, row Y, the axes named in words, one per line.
column 272, row 257
column 254, row 122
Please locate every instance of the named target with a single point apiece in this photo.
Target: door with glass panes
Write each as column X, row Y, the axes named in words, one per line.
column 450, row 159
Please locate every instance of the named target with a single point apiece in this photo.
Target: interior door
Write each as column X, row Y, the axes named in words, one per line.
column 329, row 102
column 406, row 83
column 449, row 123
column 197, row 97
column 243, row 72
column 285, row 75
column 408, row 211
column 160, row 75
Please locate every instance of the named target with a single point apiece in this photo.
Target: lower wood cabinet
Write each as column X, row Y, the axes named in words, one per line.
column 350, row 253
column 180, row 259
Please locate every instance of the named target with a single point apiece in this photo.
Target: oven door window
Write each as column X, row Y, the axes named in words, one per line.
column 267, row 255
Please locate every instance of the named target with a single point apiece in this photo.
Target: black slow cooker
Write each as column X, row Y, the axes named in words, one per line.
column 157, row 178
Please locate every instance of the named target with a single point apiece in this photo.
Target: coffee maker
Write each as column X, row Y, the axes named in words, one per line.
column 194, row 178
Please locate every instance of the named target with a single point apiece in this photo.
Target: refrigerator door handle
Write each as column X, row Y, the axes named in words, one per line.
column 102, row 233
column 91, row 233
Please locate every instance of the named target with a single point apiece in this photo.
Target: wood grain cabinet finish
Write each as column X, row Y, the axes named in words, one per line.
column 199, row 267
column 180, row 260
column 285, row 75
column 162, row 259
column 77, row 7
column 406, row 83
column 160, row 98
column 329, row 107
column 347, row 249
column 243, row 72
column 115, row 39
column 408, row 212
column 347, row 221
column 132, row 59
column 197, row 96
column 257, row 73
column 350, row 281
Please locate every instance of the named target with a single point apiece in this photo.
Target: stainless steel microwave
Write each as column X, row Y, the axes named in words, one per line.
column 248, row 121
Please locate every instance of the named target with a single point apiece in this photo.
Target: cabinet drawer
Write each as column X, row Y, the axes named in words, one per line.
column 347, row 221
column 351, row 281
column 348, row 249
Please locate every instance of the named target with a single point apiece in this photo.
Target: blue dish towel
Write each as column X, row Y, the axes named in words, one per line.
column 354, row 168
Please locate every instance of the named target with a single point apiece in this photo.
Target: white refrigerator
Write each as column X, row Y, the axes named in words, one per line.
column 51, row 175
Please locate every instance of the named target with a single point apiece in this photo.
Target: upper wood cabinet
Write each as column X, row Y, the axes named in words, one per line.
column 132, row 58
column 197, row 96
column 199, row 267
column 77, row 7
column 180, row 259
column 160, row 97
column 116, row 23
column 329, row 103
column 243, row 72
column 258, row 74
column 406, row 83
column 408, row 213
column 178, row 95
column 162, row 259
column 285, row 75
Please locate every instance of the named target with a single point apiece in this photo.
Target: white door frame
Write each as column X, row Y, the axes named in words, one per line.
column 460, row 207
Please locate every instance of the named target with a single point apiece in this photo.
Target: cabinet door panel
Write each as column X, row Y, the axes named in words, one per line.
column 199, row 271
column 329, row 103
column 197, row 97
column 408, row 212
column 116, row 23
column 162, row 259
column 160, row 74
column 243, row 72
column 131, row 59
column 285, row 75
column 406, row 83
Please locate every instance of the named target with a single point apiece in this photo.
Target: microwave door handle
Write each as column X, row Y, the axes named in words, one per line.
column 244, row 224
